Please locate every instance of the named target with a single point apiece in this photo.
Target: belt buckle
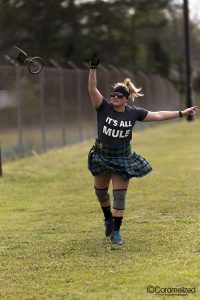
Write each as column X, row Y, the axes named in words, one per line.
column 100, row 145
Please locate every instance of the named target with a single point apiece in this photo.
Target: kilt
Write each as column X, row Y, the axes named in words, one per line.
column 117, row 159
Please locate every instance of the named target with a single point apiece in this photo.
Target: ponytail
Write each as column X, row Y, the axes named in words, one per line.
column 130, row 88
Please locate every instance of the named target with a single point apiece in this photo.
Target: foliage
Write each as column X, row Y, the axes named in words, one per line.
column 139, row 35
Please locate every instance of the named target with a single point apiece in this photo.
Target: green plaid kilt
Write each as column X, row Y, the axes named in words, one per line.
column 118, row 159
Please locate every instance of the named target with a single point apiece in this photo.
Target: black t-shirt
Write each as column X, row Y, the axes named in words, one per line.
column 115, row 128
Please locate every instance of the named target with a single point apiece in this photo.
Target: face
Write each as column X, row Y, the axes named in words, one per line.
column 118, row 99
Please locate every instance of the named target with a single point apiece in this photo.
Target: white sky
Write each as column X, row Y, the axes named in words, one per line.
column 194, row 6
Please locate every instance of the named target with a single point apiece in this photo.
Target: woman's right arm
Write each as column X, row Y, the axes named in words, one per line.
column 95, row 95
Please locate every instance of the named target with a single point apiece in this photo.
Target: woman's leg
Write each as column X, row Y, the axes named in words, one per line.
column 101, row 182
column 119, row 192
column 101, row 185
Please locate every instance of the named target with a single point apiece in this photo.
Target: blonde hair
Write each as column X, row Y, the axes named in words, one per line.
column 130, row 88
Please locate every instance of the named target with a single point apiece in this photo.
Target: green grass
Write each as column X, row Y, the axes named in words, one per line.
column 52, row 241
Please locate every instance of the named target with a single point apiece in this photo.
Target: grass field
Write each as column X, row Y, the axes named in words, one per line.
column 52, row 243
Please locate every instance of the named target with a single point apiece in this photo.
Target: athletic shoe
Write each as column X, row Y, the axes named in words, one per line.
column 116, row 238
column 108, row 224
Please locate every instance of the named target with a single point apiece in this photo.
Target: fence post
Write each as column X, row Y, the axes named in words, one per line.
column 107, row 79
column 1, row 172
column 61, row 85
column 42, row 114
column 19, row 113
column 190, row 98
column 79, row 112
column 61, row 73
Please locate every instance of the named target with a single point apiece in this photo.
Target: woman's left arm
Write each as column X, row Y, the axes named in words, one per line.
column 167, row 115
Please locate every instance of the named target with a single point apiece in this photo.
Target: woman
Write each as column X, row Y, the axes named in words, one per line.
column 111, row 159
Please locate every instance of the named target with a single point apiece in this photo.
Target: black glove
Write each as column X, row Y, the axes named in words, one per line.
column 94, row 60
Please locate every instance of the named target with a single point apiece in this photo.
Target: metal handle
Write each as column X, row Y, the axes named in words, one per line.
column 35, row 64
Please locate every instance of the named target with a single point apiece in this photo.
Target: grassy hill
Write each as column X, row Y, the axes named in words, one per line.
column 52, row 243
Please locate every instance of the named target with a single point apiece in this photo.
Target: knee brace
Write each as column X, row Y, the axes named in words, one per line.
column 119, row 199
column 102, row 194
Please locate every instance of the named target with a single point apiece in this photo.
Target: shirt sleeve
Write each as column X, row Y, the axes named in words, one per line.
column 141, row 113
column 104, row 105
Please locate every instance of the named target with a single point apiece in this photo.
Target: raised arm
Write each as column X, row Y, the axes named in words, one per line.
column 167, row 115
column 95, row 95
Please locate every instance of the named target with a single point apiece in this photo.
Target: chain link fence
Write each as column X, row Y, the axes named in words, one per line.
column 53, row 108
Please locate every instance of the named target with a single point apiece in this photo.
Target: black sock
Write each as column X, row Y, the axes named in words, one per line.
column 117, row 223
column 107, row 212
